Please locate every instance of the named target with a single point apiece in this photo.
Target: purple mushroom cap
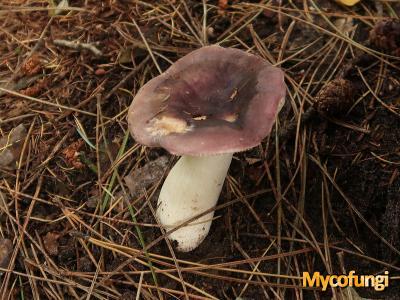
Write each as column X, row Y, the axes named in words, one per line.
column 214, row 100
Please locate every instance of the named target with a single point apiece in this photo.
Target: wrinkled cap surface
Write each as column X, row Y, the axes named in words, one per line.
column 214, row 100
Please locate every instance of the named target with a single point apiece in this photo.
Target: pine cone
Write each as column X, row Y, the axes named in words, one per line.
column 334, row 97
column 386, row 36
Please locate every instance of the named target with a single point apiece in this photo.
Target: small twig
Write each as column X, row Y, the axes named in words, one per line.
column 78, row 46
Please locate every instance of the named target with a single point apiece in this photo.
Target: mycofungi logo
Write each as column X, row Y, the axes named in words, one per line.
column 378, row 282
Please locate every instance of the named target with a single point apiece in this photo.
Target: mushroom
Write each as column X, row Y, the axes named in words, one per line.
column 208, row 105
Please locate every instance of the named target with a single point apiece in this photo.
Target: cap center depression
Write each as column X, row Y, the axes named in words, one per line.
column 207, row 100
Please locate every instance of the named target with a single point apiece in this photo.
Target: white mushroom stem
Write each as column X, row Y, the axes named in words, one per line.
column 192, row 187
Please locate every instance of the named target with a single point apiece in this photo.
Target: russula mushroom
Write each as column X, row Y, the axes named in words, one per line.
column 208, row 105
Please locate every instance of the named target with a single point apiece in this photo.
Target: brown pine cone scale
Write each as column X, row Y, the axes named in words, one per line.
column 335, row 97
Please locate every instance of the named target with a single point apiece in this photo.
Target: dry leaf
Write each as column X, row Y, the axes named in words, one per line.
column 61, row 7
